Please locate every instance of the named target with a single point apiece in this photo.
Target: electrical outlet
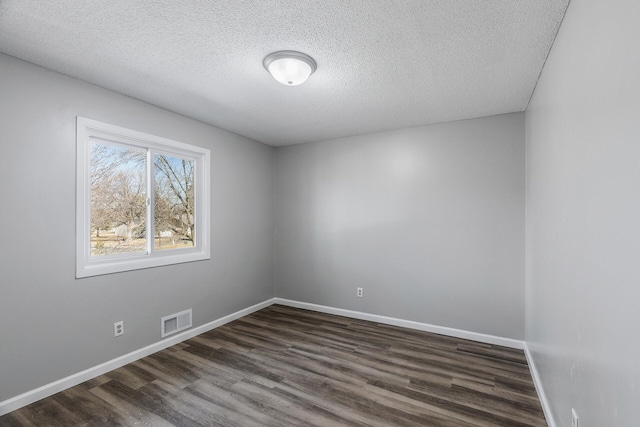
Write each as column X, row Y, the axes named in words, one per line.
column 118, row 328
column 359, row 292
column 574, row 418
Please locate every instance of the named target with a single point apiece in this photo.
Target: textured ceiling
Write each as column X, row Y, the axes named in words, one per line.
column 382, row 64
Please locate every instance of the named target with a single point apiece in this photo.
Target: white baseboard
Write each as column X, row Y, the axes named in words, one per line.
column 546, row 408
column 442, row 330
column 29, row 397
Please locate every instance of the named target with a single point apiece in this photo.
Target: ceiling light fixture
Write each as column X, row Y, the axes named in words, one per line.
column 290, row 67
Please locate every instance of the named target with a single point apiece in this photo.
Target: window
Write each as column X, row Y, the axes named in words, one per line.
column 142, row 200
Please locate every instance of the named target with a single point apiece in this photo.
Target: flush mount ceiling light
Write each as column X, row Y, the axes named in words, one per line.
column 289, row 67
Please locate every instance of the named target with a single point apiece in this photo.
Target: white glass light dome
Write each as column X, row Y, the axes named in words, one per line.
column 290, row 67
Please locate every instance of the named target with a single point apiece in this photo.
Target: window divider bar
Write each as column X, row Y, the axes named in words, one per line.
column 150, row 229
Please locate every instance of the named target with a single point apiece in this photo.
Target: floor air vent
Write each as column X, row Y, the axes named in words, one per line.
column 175, row 323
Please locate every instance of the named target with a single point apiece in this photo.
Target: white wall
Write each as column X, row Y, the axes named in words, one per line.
column 583, row 216
column 52, row 325
column 429, row 220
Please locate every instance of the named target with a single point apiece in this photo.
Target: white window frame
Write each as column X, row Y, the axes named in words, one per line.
column 86, row 265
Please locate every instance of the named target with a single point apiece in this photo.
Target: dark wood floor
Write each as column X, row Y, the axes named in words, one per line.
column 283, row 366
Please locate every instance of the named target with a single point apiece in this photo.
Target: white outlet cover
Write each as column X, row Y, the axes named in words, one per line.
column 118, row 328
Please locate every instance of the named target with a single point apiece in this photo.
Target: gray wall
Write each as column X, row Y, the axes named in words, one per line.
column 583, row 216
column 53, row 325
column 429, row 220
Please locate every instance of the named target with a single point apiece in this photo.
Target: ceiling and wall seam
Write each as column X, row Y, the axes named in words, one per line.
column 547, row 55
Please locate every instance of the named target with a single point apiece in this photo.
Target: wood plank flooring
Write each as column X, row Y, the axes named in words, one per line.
column 283, row 366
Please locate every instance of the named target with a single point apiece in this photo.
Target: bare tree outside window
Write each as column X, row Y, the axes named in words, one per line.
column 118, row 199
column 174, row 209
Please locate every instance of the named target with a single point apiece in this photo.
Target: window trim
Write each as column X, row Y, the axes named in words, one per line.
column 87, row 130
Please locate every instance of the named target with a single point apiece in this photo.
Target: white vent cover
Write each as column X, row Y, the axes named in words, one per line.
column 175, row 323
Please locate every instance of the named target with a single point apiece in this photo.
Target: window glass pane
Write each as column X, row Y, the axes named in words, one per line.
column 174, row 210
column 118, row 199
